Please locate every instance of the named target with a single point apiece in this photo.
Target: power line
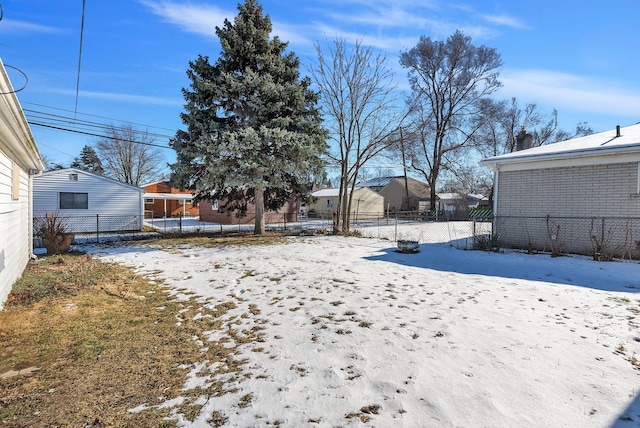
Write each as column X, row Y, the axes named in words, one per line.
column 97, row 116
column 59, row 128
column 80, row 55
column 78, row 124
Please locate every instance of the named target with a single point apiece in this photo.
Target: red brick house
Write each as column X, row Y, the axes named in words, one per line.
column 210, row 212
column 162, row 200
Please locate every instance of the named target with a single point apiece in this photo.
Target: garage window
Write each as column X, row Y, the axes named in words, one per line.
column 74, row 201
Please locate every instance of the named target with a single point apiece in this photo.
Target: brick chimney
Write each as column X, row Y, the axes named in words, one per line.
column 524, row 140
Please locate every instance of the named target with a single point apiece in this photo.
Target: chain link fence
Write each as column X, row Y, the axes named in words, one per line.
column 97, row 228
column 400, row 226
column 603, row 238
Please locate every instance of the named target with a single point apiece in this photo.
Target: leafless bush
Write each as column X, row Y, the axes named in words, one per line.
column 553, row 231
column 52, row 229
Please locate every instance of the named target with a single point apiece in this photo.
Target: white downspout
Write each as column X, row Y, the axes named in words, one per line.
column 496, row 181
column 496, row 186
column 32, row 256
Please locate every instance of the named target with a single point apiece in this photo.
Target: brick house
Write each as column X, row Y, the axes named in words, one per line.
column 580, row 195
column 162, row 200
column 212, row 212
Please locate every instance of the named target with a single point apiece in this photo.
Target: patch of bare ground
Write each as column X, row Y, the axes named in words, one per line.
column 83, row 342
column 219, row 239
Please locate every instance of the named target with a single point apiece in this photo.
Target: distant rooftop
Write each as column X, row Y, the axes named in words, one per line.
column 378, row 182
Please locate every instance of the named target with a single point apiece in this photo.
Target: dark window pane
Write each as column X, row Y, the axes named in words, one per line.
column 81, row 201
column 74, row 201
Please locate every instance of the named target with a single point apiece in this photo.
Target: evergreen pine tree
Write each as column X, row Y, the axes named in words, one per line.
column 88, row 161
column 254, row 133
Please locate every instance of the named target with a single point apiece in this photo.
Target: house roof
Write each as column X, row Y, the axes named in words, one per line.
column 329, row 192
column 169, row 196
column 417, row 187
column 83, row 172
column 449, row 196
column 334, row 192
column 627, row 141
column 478, row 196
column 16, row 139
column 377, row 182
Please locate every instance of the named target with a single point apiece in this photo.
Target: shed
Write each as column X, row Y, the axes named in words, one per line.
column 89, row 202
column 20, row 161
column 580, row 195
column 366, row 203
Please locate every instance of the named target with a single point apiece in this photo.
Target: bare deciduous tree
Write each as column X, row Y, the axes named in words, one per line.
column 448, row 81
column 502, row 121
column 358, row 98
column 129, row 155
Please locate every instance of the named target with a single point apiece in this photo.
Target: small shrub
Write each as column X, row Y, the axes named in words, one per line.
column 52, row 229
column 486, row 242
column 553, row 232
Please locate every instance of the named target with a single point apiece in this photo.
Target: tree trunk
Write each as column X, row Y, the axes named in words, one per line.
column 259, row 202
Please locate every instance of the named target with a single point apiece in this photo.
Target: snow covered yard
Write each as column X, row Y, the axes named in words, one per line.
column 352, row 333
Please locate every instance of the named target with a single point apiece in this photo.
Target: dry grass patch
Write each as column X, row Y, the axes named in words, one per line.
column 219, row 239
column 101, row 341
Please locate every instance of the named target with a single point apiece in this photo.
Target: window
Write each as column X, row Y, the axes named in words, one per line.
column 149, row 201
column 329, row 203
column 74, row 201
column 73, row 177
column 214, row 205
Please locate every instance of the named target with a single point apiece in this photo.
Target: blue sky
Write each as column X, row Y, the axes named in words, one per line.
column 578, row 57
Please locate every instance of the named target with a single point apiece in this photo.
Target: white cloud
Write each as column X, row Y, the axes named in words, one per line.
column 566, row 91
column 115, row 96
column 204, row 18
column 200, row 19
column 507, row 21
column 24, row 28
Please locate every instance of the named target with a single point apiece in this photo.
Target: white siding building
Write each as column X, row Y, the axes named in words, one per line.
column 88, row 202
column 19, row 161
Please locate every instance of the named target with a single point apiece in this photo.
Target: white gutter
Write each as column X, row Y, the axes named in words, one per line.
column 573, row 154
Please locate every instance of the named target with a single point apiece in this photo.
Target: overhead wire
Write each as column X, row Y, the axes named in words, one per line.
column 90, row 128
column 97, row 116
column 97, row 135
column 26, row 80
column 84, row 124
column 80, row 56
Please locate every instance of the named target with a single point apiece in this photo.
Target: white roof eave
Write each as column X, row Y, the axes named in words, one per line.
column 496, row 161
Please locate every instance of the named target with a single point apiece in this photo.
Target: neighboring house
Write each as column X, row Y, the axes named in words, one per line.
column 365, row 204
column 456, row 206
column 213, row 212
column 88, row 202
column 400, row 193
column 453, row 206
column 162, row 200
column 20, row 161
column 580, row 195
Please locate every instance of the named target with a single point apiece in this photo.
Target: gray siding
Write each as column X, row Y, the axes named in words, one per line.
column 15, row 247
column 585, row 204
column 107, row 198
